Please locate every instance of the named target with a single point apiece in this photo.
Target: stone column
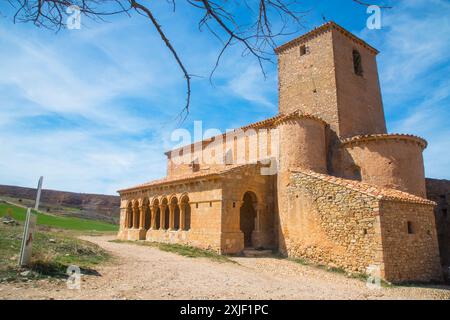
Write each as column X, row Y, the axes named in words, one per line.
column 142, row 218
column 125, row 220
column 257, row 208
column 182, row 213
column 162, row 215
column 257, row 234
column 172, row 216
column 153, row 214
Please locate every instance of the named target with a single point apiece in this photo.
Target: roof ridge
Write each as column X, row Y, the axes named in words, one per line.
column 323, row 28
column 167, row 180
column 268, row 121
column 379, row 136
column 375, row 191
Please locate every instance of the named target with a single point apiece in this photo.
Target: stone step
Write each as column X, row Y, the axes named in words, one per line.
column 250, row 252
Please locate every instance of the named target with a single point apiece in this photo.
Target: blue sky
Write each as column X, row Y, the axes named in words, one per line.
column 92, row 109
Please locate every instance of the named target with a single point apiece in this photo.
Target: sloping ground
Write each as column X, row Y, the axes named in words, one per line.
column 82, row 205
column 142, row 272
column 53, row 221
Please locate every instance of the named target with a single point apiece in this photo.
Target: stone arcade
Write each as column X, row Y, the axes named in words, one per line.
column 346, row 193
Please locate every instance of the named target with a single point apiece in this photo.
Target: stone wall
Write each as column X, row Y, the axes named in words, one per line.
column 359, row 102
column 302, row 144
column 391, row 161
column 215, row 204
column 350, row 225
column 242, row 146
column 308, row 81
column 410, row 252
column 205, row 200
column 439, row 192
column 249, row 179
column 322, row 82
column 330, row 224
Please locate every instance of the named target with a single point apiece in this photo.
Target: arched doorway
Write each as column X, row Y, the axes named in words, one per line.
column 248, row 216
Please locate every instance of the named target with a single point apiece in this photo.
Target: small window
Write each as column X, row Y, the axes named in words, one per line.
column 195, row 165
column 410, row 227
column 357, row 63
column 210, row 204
column 303, row 50
column 234, row 204
column 196, row 205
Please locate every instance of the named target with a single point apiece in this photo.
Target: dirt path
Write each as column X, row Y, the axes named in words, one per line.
column 140, row 272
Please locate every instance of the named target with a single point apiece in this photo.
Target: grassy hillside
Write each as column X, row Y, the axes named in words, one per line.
column 70, row 223
column 55, row 245
column 67, row 204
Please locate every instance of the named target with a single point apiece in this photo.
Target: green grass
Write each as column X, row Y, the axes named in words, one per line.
column 183, row 250
column 52, row 253
column 70, row 223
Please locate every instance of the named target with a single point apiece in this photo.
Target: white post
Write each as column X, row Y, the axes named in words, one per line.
column 38, row 196
column 28, row 230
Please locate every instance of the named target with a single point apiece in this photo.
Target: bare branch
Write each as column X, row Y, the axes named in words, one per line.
column 269, row 19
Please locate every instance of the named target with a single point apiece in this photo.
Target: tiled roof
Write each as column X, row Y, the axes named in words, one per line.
column 368, row 189
column 192, row 176
column 392, row 136
column 323, row 28
column 262, row 124
column 299, row 114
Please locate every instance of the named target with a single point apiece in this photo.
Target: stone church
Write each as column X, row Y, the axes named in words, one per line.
column 345, row 192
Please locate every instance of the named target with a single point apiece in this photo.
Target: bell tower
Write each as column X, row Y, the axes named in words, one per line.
column 332, row 74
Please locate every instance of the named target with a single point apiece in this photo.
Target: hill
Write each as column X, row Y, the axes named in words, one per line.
column 81, row 205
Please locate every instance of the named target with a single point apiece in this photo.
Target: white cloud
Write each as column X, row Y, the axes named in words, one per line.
column 414, row 66
column 250, row 85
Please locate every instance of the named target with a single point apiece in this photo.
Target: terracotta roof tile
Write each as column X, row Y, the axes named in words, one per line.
column 368, row 189
column 261, row 124
column 192, row 176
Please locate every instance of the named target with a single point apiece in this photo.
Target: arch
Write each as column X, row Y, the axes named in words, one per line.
column 155, row 201
column 173, row 198
column 247, row 216
column 184, row 203
column 129, row 215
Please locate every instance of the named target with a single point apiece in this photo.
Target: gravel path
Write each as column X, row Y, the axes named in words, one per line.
column 141, row 272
